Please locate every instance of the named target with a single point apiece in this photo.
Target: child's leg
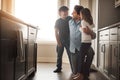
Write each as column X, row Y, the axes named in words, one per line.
column 83, row 50
column 89, row 58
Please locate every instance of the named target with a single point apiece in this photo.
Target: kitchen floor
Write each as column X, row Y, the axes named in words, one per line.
column 45, row 72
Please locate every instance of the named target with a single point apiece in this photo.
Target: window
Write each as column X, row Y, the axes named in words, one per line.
column 72, row 4
column 42, row 13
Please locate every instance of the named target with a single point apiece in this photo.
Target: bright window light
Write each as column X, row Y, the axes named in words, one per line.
column 42, row 13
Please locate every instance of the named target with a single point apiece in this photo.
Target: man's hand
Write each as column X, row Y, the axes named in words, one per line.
column 87, row 30
column 90, row 32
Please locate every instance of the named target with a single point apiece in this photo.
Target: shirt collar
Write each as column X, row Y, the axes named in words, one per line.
column 77, row 23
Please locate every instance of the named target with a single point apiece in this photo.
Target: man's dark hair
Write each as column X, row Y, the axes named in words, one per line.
column 63, row 8
column 78, row 8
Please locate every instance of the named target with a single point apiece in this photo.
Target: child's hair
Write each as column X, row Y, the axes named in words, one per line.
column 63, row 8
column 86, row 15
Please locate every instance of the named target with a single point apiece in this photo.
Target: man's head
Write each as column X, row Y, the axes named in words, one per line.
column 76, row 11
column 63, row 12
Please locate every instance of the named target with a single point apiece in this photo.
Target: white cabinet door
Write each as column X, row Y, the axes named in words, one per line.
column 101, row 56
column 113, row 59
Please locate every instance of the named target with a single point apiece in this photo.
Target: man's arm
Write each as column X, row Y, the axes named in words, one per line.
column 57, row 37
column 89, row 32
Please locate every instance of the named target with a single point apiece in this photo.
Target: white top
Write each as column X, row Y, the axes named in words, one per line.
column 85, row 38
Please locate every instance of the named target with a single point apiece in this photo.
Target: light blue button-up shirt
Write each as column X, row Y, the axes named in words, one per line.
column 75, row 35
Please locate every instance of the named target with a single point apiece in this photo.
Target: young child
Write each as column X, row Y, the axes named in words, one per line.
column 86, row 21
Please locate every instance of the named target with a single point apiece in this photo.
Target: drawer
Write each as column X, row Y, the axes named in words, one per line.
column 32, row 35
column 119, row 30
column 119, row 33
column 101, row 35
column 114, row 34
column 104, row 35
column 119, row 71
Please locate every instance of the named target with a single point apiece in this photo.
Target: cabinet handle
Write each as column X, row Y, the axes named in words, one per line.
column 110, row 55
column 113, row 34
column 115, row 52
column 106, row 34
column 104, row 48
column 32, row 33
column 119, row 52
column 20, row 47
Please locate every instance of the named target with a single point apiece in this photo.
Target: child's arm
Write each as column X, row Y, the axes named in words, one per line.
column 83, row 27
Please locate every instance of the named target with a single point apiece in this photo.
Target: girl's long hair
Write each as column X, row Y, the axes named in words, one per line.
column 86, row 15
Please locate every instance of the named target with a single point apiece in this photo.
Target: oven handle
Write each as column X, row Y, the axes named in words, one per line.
column 20, row 47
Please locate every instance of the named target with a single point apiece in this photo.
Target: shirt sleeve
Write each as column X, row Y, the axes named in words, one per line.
column 83, row 24
column 56, row 24
column 69, row 18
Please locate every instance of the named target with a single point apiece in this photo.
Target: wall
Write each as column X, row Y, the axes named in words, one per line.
column 46, row 52
column 0, row 4
column 84, row 3
column 8, row 6
column 108, row 14
column 94, row 9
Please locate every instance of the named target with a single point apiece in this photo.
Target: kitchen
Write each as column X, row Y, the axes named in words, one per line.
column 106, row 16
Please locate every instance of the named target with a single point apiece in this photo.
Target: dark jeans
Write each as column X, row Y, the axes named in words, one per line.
column 88, row 61
column 82, row 65
column 60, row 51
column 74, row 61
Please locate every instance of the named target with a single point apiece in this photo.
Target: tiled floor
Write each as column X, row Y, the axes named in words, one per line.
column 45, row 72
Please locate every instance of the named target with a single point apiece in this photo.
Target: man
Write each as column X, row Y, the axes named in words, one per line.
column 75, row 42
column 62, row 36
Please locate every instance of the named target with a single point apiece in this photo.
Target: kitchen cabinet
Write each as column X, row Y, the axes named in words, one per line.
column 109, row 52
column 20, row 58
column 113, row 52
column 17, row 48
column 118, row 53
column 113, row 60
column 118, row 72
column 119, row 43
column 103, row 57
column 31, row 49
column 8, row 47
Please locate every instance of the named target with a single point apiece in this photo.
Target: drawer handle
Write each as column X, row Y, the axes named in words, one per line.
column 106, row 34
column 119, row 51
column 103, row 48
column 113, row 34
column 110, row 55
column 115, row 52
column 32, row 33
